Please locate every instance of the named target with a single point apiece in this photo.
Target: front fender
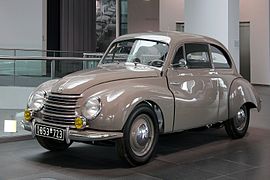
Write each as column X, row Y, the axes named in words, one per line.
column 241, row 92
column 119, row 98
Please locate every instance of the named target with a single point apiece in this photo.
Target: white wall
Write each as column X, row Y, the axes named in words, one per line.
column 233, row 38
column 257, row 13
column 21, row 27
column 170, row 11
column 21, row 24
column 14, row 97
column 207, row 17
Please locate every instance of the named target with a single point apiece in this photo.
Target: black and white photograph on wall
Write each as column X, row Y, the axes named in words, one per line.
column 105, row 23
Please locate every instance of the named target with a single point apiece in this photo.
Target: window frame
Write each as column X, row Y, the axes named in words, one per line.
column 131, row 39
column 208, row 52
column 174, row 54
column 224, row 53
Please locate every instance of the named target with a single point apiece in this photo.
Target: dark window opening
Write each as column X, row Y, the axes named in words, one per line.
column 197, row 56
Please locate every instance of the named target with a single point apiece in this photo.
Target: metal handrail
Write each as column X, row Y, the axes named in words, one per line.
column 23, row 58
column 92, row 54
column 41, row 50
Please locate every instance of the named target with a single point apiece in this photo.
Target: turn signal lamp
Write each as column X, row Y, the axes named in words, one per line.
column 80, row 122
column 27, row 115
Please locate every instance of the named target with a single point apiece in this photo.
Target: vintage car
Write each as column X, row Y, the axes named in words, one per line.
column 145, row 85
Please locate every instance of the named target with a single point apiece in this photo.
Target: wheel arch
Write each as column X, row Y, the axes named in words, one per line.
column 157, row 111
column 242, row 93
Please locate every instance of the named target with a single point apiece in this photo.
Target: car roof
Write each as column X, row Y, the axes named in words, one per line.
column 170, row 37
column 174, row 39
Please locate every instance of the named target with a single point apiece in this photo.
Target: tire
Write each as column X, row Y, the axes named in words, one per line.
column 141, row 132
column 52, row 144
column 237, row 126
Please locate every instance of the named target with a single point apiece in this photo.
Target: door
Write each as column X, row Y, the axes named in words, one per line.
column 194, row 87
column 225, row 76
column 245, row 50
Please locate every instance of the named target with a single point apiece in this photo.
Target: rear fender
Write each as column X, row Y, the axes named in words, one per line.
column 242, row 92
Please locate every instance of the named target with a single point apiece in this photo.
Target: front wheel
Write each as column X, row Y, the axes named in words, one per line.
column 52, row 144
column 237, row 126
column 140, row 138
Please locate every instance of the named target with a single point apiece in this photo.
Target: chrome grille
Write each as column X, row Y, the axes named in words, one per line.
column 60, row 109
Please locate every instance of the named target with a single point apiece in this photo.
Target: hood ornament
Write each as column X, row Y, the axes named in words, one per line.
column 60, row 89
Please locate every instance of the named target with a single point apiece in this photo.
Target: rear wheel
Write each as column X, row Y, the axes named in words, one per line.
column 237, row 126
column 52, row 144
column 138, row 145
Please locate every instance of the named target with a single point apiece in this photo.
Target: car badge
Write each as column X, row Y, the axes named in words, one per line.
column 60, row 89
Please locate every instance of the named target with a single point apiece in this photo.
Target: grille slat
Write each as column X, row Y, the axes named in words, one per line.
column 60, row 108
column 50, row 101
column 58, row 105
column 68, row 111
column 58, row 115
column 59, row 122
column 58, row 119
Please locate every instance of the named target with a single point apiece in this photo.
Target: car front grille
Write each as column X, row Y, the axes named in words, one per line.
column 60, row 109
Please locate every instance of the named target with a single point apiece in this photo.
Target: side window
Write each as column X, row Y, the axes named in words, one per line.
column 220, row 60
column 197, row 56
column 178, row 59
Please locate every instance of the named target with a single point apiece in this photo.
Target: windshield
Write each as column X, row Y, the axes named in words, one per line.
column 145, row 52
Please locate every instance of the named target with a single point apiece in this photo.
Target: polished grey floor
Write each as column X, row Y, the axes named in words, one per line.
column 196, row 155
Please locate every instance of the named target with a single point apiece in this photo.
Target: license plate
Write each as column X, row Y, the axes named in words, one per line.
column 49, row 132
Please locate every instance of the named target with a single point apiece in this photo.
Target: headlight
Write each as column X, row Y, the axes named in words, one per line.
column 91, row 108
column 36, row 100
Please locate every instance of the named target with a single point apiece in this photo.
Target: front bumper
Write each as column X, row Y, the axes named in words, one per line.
column 74, row 134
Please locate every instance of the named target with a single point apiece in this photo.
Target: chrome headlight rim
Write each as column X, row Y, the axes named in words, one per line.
column 36, row 103
column 85, row 109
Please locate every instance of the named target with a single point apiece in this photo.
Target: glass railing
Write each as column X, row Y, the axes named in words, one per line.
column 23, row 73
column 32, row 71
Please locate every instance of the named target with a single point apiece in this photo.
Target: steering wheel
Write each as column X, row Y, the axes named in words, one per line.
column 156, row 63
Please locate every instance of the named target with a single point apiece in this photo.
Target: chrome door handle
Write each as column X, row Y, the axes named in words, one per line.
column 175, row 83
column 213, row 72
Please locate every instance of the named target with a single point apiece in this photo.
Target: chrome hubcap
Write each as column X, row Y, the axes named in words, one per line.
column 141, row 136
column 240, row 120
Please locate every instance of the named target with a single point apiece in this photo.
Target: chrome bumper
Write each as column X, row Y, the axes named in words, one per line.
column 74, row 134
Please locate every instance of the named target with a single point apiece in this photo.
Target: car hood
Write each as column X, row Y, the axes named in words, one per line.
column 78, row 82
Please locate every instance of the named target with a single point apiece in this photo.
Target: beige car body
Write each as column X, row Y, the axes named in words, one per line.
column 214, row 95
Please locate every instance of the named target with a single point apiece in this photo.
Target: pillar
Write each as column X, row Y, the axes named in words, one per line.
column 216, row 19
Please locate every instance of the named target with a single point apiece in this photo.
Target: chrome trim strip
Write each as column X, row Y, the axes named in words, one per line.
column 175, row 83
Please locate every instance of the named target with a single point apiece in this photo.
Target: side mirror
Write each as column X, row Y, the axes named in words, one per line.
column 181, row 63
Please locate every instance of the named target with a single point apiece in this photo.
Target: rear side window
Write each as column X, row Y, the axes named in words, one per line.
column 197, row 56
column 220, row 59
